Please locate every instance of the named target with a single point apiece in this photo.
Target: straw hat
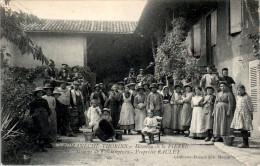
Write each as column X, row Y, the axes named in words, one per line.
column 153, row 85
column 38, row 89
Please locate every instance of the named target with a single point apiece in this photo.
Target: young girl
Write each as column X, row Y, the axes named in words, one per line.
column 126, row 121
column 94, row 113
column 208, row 107
column 167, row 109
column 186, row 112
column 113, row 104
column 197, row 127
column 222, row 113
column 150, row 124
column 106, row 115
column 243, row 115
column 140, row 109
column 176, row 100
column 53, row 118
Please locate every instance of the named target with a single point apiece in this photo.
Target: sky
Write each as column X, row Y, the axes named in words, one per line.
column 110, row 10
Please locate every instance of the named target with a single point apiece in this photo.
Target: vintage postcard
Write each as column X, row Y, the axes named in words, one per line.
column 130, row 82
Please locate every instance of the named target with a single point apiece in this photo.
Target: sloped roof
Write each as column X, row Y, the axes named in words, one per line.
column 82, row 26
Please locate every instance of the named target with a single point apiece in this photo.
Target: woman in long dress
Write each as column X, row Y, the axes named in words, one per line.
column 186, row 112
column 140, row 109
column 52, row 118
column 126, row 121
column 167, row 109
column 176, row 100
column 222, row 113
column 208, row 107
column 197, row 127
column 243, row 115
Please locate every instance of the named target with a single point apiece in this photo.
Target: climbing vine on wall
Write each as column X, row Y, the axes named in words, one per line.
column 12, row 23
column 172, row 57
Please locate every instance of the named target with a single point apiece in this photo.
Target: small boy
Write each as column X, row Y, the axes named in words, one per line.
column 106, row 115
column 150, row 124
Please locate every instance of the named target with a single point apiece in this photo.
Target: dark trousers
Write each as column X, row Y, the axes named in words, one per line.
column 65, row 119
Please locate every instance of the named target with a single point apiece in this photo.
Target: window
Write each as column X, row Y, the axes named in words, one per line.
column 235, row 16
column 196, row 40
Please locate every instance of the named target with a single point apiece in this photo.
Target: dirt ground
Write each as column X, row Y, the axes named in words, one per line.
column 172, row 150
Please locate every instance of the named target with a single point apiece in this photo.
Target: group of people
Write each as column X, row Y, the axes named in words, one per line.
column 207, row 111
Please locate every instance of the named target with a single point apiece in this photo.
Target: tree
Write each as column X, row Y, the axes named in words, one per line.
column 172, row 57
column 12, row 23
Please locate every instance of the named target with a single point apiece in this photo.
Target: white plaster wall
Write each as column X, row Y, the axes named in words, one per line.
column 62, row 48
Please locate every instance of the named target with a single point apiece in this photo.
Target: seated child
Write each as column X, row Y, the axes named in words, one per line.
column 94, row 113
column 150, row 124
column 106, row 115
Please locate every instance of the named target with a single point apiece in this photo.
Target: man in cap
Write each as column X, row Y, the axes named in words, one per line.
column 154, row 101
column 141, row 77
column 50, row 74
column 131, row 77
column 64, row 100
column 64, row 73
column 77, row 101
column 99, row 96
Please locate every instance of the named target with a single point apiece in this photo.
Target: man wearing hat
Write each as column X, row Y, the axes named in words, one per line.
column 121, row 87
column 160, row 87
column 154, row 101
column 64, row 74
column 64, row 100
column 50, row 74
column 131, row 77
column 75, row 73
column 40, row 112
column 99, row 96
column 141, row 77
column 77, row 102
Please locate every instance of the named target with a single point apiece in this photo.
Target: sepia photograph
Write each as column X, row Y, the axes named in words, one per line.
column 130, row 82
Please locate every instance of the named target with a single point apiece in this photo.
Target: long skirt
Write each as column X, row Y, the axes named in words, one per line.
column 127, row 116
column 208, row 119
column 197, row 127
column 140, row 115
column 176, row 117
column 186, row 115
column 221, row 124
column 167, row 116
column 53, row 126
column 40, row 121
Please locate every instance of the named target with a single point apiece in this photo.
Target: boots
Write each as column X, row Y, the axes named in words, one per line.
column 245, row 143
column 208, row 137
column 143, row 139
column 150, row 140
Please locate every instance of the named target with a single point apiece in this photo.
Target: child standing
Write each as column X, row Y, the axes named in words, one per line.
column 243, row 115
column 52, row 105
column 150, row 124
column 208, row 107
column 94, row 113
column 113, row 105
column 127, row 112
column 197, row 127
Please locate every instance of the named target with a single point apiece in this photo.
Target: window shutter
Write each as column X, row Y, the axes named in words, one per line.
column 197, row 39
column 214, row 28
column 254, row 80
column 235, row 16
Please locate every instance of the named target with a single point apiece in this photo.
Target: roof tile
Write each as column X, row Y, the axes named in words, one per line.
column 75, row 26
